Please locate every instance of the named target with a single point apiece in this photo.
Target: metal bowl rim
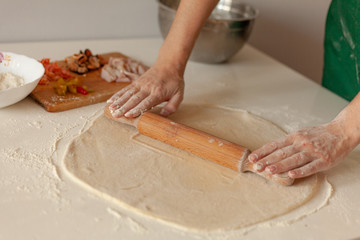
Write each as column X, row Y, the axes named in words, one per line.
column 254, row 16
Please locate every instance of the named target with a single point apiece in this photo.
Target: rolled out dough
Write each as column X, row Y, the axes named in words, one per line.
column 175, row 187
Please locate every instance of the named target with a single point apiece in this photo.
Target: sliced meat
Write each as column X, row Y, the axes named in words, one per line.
column 108, row 73
column 82, row 62
column 122, row 70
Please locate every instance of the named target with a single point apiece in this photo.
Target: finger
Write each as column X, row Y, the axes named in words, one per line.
column 118, row 94
column 294, row 161
column 275, row 157
column 266, row 150
column 307, row 170
column 132, row 102
column 117, row 105
column 143, row 106
column 172, row 105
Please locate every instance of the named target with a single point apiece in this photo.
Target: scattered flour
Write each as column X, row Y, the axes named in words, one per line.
column 29, row 149
column 36, row 124
column 36, row 169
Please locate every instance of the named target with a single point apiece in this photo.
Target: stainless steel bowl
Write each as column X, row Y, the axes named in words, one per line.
column 224, row 33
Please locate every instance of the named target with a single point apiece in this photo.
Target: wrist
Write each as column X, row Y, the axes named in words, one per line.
column 347, row 124
column 172, row 61
column 167, row 71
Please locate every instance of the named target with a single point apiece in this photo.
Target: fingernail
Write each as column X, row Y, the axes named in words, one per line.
column 109, row 101
column 113, row 106
column 292, row 174
column 118, row 113
column 270, row 169
column 258, row 166
column 252, row 158
column 130, row 113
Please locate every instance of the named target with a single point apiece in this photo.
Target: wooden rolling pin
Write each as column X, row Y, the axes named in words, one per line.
column 201, row 144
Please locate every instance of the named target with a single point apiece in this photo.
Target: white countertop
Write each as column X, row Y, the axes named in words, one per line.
column 38, row 200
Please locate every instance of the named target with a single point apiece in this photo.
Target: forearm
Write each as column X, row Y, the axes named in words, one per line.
column 190, row 18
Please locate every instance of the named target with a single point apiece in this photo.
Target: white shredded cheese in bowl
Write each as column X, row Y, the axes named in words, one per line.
column 10, row 80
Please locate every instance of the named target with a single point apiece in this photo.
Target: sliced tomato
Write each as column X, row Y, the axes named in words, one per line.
column 53, row 72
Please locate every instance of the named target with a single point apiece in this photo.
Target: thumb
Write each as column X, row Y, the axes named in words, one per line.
column 172, row 105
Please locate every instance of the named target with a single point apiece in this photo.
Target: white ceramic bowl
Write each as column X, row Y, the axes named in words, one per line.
column 28, row 68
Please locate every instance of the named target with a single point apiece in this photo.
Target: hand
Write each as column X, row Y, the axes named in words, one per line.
column 164, row 81
column 1, row 57
column 157, row 85
column 305, row 152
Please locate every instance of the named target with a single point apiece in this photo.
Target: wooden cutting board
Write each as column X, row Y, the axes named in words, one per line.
column 45, row 94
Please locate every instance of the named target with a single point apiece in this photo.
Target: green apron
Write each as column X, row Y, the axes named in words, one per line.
column 342, row 48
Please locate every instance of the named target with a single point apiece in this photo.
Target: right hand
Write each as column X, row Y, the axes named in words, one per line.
column 305, row 152
column 159, row 84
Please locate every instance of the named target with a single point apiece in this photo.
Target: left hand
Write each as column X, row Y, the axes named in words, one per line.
column 305, row 152
column 159, row 84
column 1, row 57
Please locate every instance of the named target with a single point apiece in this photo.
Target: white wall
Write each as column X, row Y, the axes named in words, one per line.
column 289, row 30
column 292, row 32
column 33, row 20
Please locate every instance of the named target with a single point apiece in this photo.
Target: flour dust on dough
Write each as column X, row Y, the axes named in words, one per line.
column 167, row 184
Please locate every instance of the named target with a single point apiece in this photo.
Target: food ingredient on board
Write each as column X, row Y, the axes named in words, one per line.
column 122, row 70
column 83, row 62
column 53, row 72
column 65, row 81
column 72, row 86
column 97, row 89
column 10, row 80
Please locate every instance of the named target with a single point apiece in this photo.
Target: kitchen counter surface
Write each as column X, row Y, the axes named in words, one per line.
column 39, row 200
